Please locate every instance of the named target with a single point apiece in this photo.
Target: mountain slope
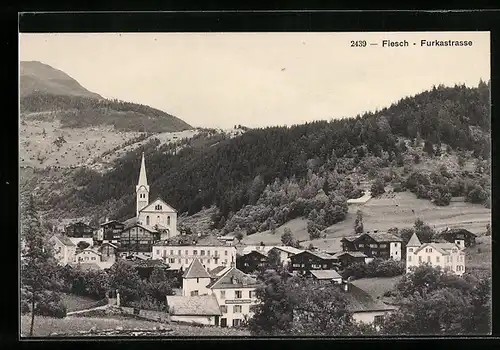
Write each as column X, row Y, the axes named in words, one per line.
column 42, row 78
column 234, row 172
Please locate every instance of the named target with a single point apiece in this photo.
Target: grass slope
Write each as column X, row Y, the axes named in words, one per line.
column 44, row 326
column 76, row 302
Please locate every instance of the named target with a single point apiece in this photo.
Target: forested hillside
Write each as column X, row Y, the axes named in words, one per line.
column 260, row 167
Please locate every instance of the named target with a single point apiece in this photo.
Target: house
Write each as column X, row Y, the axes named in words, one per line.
column 462, row 237
column 251, row 262
column 235, row 293
column 328, row 276
column 138, row 238
column 111, row 231
column 79, row 230
column 88, row 255
column 199, row 309
column 64, row 249
column 307, row 260
column 347, row 258
column 364, row 308
column 195, row 280
column 108, row 251
column 375, row 245
column 98, row 235
column 179, row 252
column 260, row 248
column 448, row 256
column 285, row 253
column 157, row 214
column 227, row 239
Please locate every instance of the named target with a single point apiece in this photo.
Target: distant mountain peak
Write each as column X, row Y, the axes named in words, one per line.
column 36, row 76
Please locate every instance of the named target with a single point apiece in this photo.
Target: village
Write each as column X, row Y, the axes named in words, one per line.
column 217, row 276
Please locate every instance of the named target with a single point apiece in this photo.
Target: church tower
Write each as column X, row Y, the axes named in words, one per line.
column 142, row 188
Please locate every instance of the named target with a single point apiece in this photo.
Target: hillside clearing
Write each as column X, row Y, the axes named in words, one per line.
column 479, row 257
column 44, row 326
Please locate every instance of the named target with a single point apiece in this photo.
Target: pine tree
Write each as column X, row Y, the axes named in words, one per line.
column 38, row 267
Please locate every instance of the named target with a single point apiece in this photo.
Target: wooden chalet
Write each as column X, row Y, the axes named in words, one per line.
column 458, row 234
column 138, row 238
column 251, row 262
column 79, row 230
column 112, row 231
column 374, row 245
column 307, row 260
column 347, row 258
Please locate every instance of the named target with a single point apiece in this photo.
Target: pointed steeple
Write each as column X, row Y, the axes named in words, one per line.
column 143, row 181
column 414, row 241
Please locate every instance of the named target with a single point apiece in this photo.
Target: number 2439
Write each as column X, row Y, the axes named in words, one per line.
column 358, row 43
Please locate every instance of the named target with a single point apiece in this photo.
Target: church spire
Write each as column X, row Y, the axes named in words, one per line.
column 143, row 181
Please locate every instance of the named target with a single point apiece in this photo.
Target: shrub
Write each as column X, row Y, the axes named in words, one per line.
column 375, row 268
column 50, row 305
column 377, row 188
column 476, row 195
column 25, row 307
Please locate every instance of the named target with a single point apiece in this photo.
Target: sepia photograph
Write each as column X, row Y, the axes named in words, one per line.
column 255, row 184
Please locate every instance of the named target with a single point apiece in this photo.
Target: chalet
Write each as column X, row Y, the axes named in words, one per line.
column 448, row 256
column 108, row 251
column 138, row 238
column 180, row 251
column 260, row 248
column 198, row 309
column 285, row 253
column 375, row 245
column 64, row 249
column 326, row 276
column 347, row 258
column 112, row 230
column 251, row 262
column 306, row 261
column 460, row 236
column 79, row 230
column 235, row 293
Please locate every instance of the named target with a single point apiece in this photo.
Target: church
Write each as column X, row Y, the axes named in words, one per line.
column 156, row 216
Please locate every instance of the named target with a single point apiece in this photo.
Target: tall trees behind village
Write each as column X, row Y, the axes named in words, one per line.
column 234, row 172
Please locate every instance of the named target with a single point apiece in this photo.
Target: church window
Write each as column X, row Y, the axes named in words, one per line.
column 147, row 220
column 158, row 207
column 168, row 220
column 158, row 219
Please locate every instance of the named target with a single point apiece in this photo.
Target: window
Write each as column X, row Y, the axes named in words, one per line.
column 325, row 266
column 158, row 207
column 168, row 220
column 157, row 251
column 171, row 260
column 171, row 252
column 179, row 252
column 187, row 261
column 194, row 293
column 296, row 265
column 250, row 294
column 410, row 250
column 197, row 280
column 223, row 294
column 373, row 245
column 225, row 261
column 419, row 259
column 395, row 253
column 437, row 258
column 361, row 245
column 187, row 252
column 93, row 258
column 223, row 309
column 409, row 257
column 236, row 322
column 208, row 252
column 378, row 318
column 428, row 259
column 225, row 252
column 86, row 258
column 238, row 294
column 179, row 261
column 195, row 252
column 383, row 245
column 158, row 219
column 147, row 220
column 237, row 309
column 202, row 252
column 208, row 261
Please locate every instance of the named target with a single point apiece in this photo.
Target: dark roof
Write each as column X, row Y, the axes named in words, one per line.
column 360, row 301
column 215, row 271
column 384, row 237
column 234, row 278
column 109, row 222
column 200, row 305
column 350, row 238
column 196, row 270
column 456, row 230
column 320, row 255
column 65, row 240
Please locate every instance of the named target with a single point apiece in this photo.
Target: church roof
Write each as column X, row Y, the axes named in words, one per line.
column 414, row 241
column 143, row 181
column 196, row 270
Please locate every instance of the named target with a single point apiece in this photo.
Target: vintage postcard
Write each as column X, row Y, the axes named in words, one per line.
column 255, row 184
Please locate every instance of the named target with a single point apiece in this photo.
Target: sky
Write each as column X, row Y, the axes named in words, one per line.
column 260, row 79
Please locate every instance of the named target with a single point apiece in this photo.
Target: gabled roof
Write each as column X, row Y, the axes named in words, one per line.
column 290, row 250
column 217, row 271
column 196, row 270
column 109, row 222
column 150, row 230
column 150, row 206
column 107, row 243
column 325, row 274
column 383, row 237
column 89, row 250
column 443, row 248
column 350, row 238
column 456, row 230
column 255, row 252
column 414, row 241
column 320, row 255
column 65, row 240
column 200, row 305
column 360, row 301
column 353, row 254
column 234, row 278
column 260, row 248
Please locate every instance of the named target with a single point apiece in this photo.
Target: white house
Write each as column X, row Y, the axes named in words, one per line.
column 91, row 256
column 210, row 252
column 195, row 280
column 155, row 214
column 449, row 256
column 199, row 309
column 235, row 293
column 64, row 249
column 285, row 253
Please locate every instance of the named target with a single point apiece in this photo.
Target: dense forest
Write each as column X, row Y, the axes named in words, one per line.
column 243, row 171
column 80, row 111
